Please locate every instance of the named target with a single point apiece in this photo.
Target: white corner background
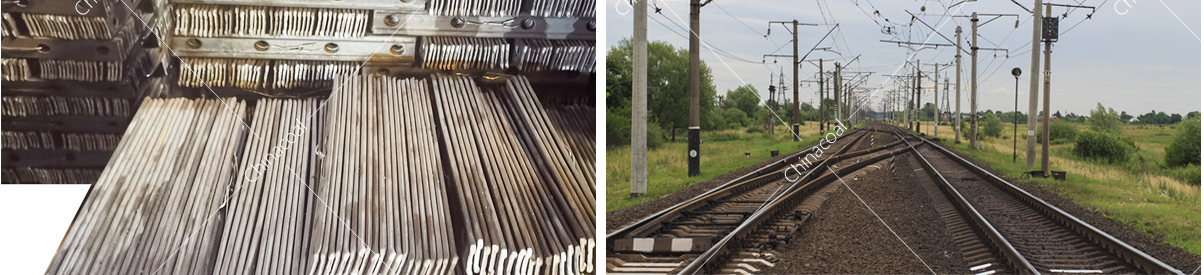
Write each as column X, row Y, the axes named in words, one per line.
column 33, row 221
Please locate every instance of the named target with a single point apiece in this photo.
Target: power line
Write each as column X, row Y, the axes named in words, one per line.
column 716, row 49
column 734, row 18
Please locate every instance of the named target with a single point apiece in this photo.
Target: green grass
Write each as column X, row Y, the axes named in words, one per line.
column 722, row 153
column 1141, row 194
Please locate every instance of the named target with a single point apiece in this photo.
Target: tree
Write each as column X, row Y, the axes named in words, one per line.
column 1013, row 117
column 1192, row 114
column 991, row 125
column 668, row 81
column 735, row 118
column 1058, row 114
column 1125, row 117
column 1175, row 118
column 744, row 98
column 1105, row 120
column 806, row 107
column 927, row 111
column 1185, row 148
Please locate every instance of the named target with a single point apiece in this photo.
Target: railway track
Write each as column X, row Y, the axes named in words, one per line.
column 736, row 227
column 1004, row 229
column 733, row 228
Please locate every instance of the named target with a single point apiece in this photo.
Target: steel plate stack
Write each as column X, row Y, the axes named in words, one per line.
column 152, row 210
column 384, row 205
column 524, row 212
column 271, row 206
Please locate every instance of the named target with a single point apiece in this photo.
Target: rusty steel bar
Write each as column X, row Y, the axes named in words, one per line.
column 156, row 199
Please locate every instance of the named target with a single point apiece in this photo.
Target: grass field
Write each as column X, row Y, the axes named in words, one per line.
column 1137, row 193
column 722, row 153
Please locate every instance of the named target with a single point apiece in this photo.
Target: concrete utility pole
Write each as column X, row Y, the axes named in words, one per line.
column 1030, row 157
column 695, row 154
column 794, row 62
column 639, row 102
column 823, row 118
column 957, row 90
column 936, row 100
column 974, row 80
column 917, row 107
column 836, row 91
column 1045, row 102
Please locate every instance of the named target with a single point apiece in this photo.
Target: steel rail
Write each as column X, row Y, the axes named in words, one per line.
column 713, row 193
column 1110, row 243
column 702, row 262
column 1013, row 257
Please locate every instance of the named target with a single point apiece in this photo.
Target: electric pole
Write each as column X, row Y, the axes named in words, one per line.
column 1030, row 157
column 1048, row 39
column 936, row 100
column 916, row 108
column 823, row 117
column 639, row 102
column 794, row 62
column 695, row 154
column 957, row 90
column 836, row 91
column 974, row 80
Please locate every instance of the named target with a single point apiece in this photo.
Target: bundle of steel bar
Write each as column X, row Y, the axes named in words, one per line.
column 555, row 55
column 16, row 69
column 521, row 214
column 68, row 141
column 261, row 73
column 67, row 26
column 562, row 162
column 50, row 175
column 575, row 122
column 22, row 106
column 155, row 202
column 382, row 204
column 267, row 221
column 237, row 20
column 52, row 69
column 459, row 53
column 475, row 7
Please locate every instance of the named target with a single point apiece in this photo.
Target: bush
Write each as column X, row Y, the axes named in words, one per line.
column 733, row 116
column 1104, row 120
column 1185, row 147
column 618, row 126
column 656, row 135
column 722, row 136
column 1101, row 146
column 755, row 129
column 712, row 120
column 966, row 131
column 1060, row 132
column 991, row 125
column 1189, row 174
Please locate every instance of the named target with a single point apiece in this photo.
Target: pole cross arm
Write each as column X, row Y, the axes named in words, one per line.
column 933, row 29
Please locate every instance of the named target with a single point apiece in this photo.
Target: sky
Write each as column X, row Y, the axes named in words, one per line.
column 1132, row 55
